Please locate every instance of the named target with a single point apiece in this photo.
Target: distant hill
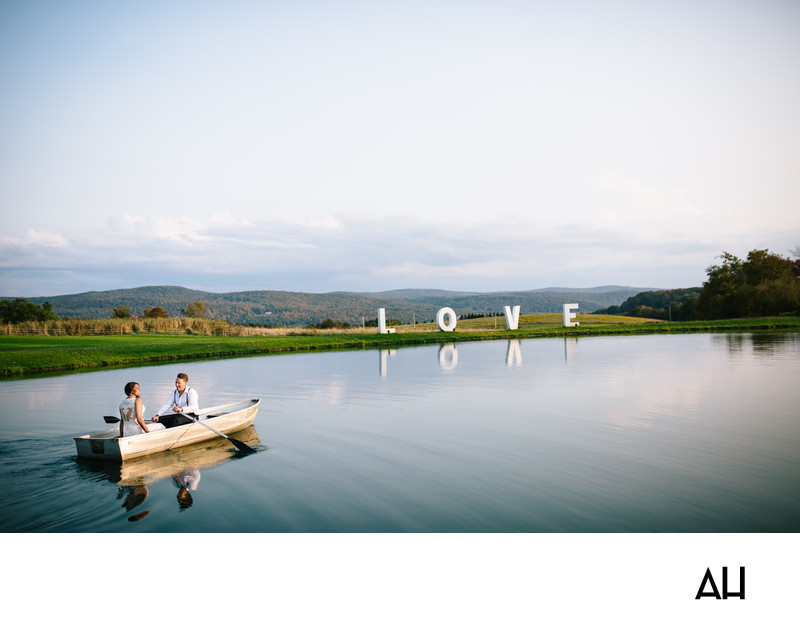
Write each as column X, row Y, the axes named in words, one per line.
column 664, row 304
column 590, row 290
column 295, row 308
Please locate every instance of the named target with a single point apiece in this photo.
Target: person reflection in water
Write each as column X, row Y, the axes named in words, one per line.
column 136, row 496
column 186, row 481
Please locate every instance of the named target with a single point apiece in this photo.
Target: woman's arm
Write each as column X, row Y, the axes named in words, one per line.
column 139, row 419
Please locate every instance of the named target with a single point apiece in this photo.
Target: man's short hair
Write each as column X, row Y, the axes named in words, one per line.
column 183, row 375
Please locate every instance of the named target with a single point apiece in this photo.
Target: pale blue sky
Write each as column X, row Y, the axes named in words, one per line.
column 366, row 146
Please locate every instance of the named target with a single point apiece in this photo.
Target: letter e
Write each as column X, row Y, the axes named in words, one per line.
column 568, row 315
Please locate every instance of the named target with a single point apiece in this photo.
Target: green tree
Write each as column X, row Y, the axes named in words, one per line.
column 329, row 323
column 195, row 310
column 664, row 304
column 122, row 312
column 763, row 284
column 763, row 265
column 23, row 310
column 155, row 312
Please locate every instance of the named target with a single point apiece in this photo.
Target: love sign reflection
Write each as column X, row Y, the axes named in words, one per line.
column 448, row 355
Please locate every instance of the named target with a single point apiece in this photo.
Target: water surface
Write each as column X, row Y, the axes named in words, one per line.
column 671, row 433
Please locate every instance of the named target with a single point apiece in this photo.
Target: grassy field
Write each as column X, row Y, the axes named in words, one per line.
column 22, row 356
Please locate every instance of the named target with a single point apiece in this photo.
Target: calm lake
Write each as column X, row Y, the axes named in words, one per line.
column 670, row 433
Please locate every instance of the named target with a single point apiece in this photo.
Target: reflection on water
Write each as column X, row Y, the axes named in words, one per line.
column 384, row 355
column 448, row 357
column 665, row 433
column 570, row 349
column 181, row 466
column 762, row 342
column 514, row 353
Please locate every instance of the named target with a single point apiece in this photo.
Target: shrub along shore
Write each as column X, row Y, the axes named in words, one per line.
column 35, row 354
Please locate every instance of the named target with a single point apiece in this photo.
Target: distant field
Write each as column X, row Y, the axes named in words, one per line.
column 35, row 354
column 530, row 322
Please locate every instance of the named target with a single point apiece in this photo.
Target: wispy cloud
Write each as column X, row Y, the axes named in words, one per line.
column 221, row 253
column 35, row 239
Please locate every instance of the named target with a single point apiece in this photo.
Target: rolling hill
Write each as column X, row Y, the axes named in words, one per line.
column 296, row 308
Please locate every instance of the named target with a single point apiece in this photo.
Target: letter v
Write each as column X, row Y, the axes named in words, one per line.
column 512, row 317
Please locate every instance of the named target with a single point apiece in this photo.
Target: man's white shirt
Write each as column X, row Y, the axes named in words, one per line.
column 188, row 401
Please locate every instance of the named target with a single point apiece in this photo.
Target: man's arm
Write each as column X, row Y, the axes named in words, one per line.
column 193, row 403
column 164, row 409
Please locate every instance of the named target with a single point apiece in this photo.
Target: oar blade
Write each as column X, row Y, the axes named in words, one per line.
column 111, row 419
column 246, row 449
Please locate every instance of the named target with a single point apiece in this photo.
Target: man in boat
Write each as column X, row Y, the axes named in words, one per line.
column 183, row 401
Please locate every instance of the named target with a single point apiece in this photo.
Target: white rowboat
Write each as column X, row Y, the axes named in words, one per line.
column 107, row 445
column 171, row 463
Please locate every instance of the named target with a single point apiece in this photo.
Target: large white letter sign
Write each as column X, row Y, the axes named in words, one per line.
column 512, row 317
column 568, row 315
column 440, row 315
column 382, row 322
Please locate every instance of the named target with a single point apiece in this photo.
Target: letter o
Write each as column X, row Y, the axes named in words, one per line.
column 448, row 357
column 451, row 315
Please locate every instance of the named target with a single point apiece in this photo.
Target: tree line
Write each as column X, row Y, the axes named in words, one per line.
column 763, row 284
column 195, row 310
column 23, row 310
column 281, row 308
column 679, row 305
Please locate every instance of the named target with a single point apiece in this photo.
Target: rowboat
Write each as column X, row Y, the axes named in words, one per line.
column 171, row 463
column 107, row 444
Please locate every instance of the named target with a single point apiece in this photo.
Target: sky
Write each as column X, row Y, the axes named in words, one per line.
column 367, row 146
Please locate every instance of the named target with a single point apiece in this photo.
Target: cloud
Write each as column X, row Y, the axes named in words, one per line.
column 677, row 218
column 347, row 252
column 35, row 239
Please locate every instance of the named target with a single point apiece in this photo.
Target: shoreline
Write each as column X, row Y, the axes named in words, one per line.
column 37, row 356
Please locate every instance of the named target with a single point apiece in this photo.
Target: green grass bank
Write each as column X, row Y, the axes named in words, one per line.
column 22, row 356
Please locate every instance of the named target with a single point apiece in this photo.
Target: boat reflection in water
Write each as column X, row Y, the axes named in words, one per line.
column 182, row 465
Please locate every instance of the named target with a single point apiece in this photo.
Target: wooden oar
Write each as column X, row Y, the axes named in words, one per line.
column 236, row 443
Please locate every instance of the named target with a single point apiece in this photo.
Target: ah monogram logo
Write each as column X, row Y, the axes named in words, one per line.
column 708, row 579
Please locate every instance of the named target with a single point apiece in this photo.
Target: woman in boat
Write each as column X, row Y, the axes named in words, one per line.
column 131, row 411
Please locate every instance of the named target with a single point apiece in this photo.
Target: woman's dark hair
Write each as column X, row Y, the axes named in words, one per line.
column 129, row 387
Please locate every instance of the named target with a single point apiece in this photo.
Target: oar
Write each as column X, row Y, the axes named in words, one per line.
column 236, row 443
column 112, row 419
